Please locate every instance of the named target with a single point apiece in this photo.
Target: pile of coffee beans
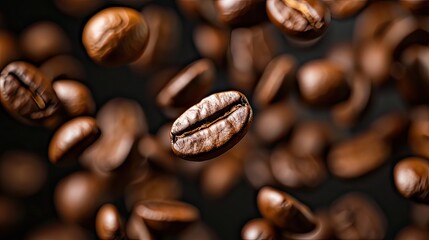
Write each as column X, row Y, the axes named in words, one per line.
column 214, row 119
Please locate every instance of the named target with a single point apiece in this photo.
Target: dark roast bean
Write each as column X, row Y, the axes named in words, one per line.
column 310, row 138
column 322, row 83
column 72, row 138
column 237, row 13
column 28, row 94
column 412, row 233
column 115, row 36
column 277, row 79
column 211, row 42
column 167, row 216
column 108, row 223
column 8, row 48
column 59, row 231
column 258, row 229
column 284, row 211
column 76, row 98
column 299, row 19
column 212, row 126
column 411, row 176
column 344, row 8
column 22, row 173
column 63, row 67
column 77, row 8
column 355, row 216
column 43, row 40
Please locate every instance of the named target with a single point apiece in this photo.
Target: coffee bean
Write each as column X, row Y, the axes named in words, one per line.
column 258, row 229
column 108, row 223
column 72, row 138
column 418, row 137
column 76, row 98
column 344, row 8
column 28, row 94
column 77, row 8
column 303, row 20
column 375, row 61
column 8, row 47
column 115, row 36
column 167, row 216
column 412, row 233
column 200, row 10
column 136, row 228
column 151, row 150
column 310, row 138
column 257, row 168
column 212, row 126
column 411, row 176
column 211, row 42
column 284, row 211
column 59, row 231
column 237, row 13
column 63, row 67
column 391, row 127
column 323, row 230
column 419, row 215
column 198, row 230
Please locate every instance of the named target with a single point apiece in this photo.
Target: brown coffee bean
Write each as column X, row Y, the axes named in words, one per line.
column 77, row 8
column 418, row 137
column 257, row 168
column 354, row 216
column 8, row 47
column 28, row 94
column 310, row 138
column 284, row 211
column 358, row 156
column 43, row 40
column 136, row 229
column 412, row 233
column 322, row 83
column 108, row 223
column 374, row 60
column 167, row 216
column 276, row 81
column 323, row 230
column 343, row 54
column 411, row 176
column 302, row 20
column 237, row 13
column 212, row 126
column 200, row 10
column 152, row 150
column 258, row 229
column 72, row 138
column 419, row 214
column 63, row 67
column 198, row 230
column 22, row 173
column 59, row 231
column 115, row 36
column 344, row 8
column 391, row 126
column 211, row 42
column 76, row 98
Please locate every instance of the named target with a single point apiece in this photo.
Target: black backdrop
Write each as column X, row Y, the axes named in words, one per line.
column 225, row 216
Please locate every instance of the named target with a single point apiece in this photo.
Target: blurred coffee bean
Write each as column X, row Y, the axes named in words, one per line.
column 275, row 122
column 77, row 8
column 108, row 223
column 296, row 172
column 167, row 216
column 277, row 79
column 12, row 214
column 59, row 231
column 349, row 112
column 22, row 173
column 258, row 229
column 200, row 10
column 164, row 25
column 257, row 168
column 72, row 138
column 27, row 94
column 163, row 136
column 237, row 13
column 212, row 126
column 374, row 61
column 78, row 196
column 419, row 214
column 412, row 233
column 63, row 67
column 284, row 211
column 310, row 138
column 418, row 137
column 75, row 97
column 419, row 113
column 302, row 20
column 200, row 231
column 344, row 8
column 355, row 216
column 115, row 36
column 343, row 54
column 323, row 230
column 391, row 127
column 358, row 155
column 151, row 150
column 211, row 42
column 322, row 83
column 136, row 228
column 43, row 40
column 411, row 177
column 8, row 47
column 188, row 87
column 416, row 6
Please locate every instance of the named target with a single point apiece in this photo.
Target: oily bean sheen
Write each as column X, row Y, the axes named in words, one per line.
column 258, row 229
column 411, row 177
column 28, row 94
column 115, row 36
column 212, row 126
column 108, row 223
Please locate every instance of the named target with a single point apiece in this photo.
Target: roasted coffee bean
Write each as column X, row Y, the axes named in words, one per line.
column 391, row 126
column 115, row 36
column 43, row 40
column 299, row 19
column 418, row 137
column 419, row 215
column 201, row 10
column 76, row 98
column 8, row 47
column 237, row 13
column 412, row 233
column 258, row 229
column 296, row 172
column 322, row 83
column 344, row 8
column 358, row 155
column 22, row 173
column 59, row 231
column 212, row 126
column 323, row 230
column 211, row 42
column 63, row 67
column 108, row 223
column 152, row 150
column 374, row 61
column 343, row 54
column 188, row 86
column 416, row 6
column 72, row 138
column 28, row 94
column 310, row 138
column 257, row 168
column 136, row 228
column 167, row 216
column 77, row 8
column 411, row 176
column 276, row 81
column 354, row 216
column 284, row 211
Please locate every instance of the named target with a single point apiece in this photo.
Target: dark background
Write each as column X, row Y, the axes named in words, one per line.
column 225, row 216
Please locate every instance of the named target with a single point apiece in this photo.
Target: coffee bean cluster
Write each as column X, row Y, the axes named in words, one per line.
column 223, row 90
